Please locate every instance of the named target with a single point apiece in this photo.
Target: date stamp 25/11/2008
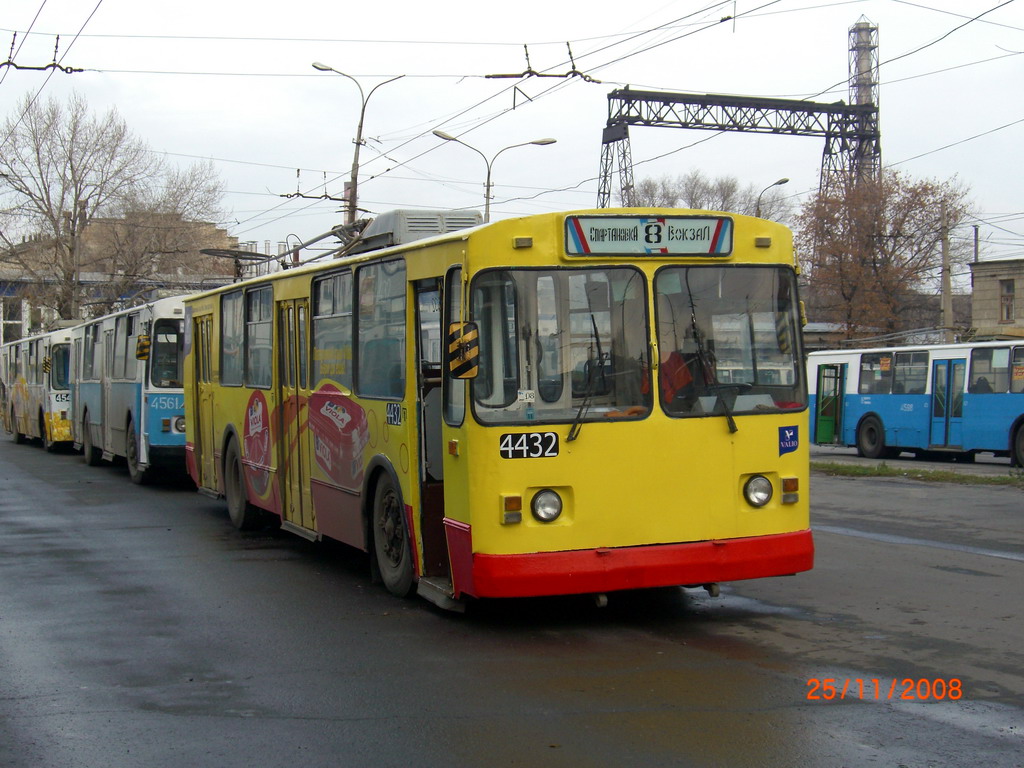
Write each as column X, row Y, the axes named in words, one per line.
column 879, row 689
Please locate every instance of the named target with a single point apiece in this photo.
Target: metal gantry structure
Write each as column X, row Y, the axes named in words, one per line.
column 851, row 130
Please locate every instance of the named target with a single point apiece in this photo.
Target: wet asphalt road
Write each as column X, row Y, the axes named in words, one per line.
column 138, row 629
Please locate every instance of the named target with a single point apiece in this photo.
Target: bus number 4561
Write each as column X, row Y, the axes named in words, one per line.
column 528, row 445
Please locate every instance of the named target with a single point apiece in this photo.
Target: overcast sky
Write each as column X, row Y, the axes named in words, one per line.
column 232, row 81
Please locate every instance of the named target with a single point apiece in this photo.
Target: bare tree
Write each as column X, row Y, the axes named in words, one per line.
column 695, row 189
column 156, row 235
column 870, row 250
column 64, row 168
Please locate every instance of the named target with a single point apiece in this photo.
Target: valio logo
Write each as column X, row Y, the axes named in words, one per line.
column 789, row 439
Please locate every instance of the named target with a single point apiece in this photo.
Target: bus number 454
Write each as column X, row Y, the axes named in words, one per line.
column 528, row 445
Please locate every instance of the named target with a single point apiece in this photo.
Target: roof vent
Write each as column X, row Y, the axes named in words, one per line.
column 408, row 225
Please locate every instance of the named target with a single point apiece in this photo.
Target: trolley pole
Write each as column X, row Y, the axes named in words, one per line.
column 947, row 280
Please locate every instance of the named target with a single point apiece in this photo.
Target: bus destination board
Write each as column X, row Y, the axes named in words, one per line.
column 648, row 236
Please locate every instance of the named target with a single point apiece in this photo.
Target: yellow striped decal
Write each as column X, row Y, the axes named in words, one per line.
column 463, row 350
column 782, row 331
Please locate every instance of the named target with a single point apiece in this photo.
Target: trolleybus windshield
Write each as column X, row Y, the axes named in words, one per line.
column 572, row 344
column 167, row 353
column 550, row 339
column 727, row 338
column 59, row 358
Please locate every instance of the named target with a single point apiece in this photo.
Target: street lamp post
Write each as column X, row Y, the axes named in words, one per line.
column 757, row 208
column 352, row 195
column 490, row 163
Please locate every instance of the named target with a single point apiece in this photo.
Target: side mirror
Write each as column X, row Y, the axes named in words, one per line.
column 463, row 350
column 142, row 348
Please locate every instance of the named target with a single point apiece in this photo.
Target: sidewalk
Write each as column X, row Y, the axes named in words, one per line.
column 984, row 463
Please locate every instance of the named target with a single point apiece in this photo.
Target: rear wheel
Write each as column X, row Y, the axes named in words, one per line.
column 1017, row 452
column 244, row 516
column 391, row 538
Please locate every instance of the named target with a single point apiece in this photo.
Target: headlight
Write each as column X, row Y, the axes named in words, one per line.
column 179, row 423
column 546, row 506
column 758, row 490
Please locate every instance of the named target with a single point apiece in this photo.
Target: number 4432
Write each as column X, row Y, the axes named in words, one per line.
column 528, row 445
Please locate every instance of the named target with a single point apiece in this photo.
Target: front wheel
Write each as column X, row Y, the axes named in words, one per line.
column 871, row 439
column 244, row 516
column 48, row 445
column 16, row 436
column 138, row 475
column 93, row 455
column 391, row 538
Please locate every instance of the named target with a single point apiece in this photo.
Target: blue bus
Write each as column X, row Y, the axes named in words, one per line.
column 948, row 400
column 126, row 393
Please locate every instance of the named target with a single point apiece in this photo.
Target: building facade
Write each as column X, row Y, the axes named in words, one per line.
column 997, row 304
column 118, row 262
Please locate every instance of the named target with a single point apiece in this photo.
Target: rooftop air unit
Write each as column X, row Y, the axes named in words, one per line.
column 407, row 225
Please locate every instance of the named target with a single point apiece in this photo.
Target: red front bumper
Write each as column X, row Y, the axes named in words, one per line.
column 607, row 570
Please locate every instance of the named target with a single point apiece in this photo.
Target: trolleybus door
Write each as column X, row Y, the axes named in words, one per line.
column 293, row 381
column 205, row 447
column 107, row 396
column 829, row 412
column 947, row 402
column 428, row 352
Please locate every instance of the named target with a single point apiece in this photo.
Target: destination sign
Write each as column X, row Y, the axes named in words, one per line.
column 648, row 236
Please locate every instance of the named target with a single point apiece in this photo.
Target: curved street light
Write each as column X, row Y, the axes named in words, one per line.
column 351, row 196
column 490, row 163
column 757, row 208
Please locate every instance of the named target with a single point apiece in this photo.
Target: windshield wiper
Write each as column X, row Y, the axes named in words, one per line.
column 705, row 362
column 574, row 430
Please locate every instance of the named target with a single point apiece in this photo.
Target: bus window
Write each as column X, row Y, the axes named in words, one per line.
column 549, row 357
column 380, row 365
column 131, row 363
column 120, row 346
column 258, row 337
column 493, row 304
column 454, row 389
column 232, row 335
column 303, row 348
column 91, row 366
column 910, row 373
column 875, row 373
column 35, row 362
column 990, row 371
column 332, row 330
column 167, row 356
column 1017, row 383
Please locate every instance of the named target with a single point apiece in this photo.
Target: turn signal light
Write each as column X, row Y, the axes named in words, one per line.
column 511, row 509
column 790, row 490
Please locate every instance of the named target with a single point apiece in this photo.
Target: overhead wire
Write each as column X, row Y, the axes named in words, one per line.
column 24, row 38
column 31, row 102
column 625, row 38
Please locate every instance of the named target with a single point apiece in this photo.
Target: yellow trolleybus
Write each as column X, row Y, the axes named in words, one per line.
column 566, row 403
